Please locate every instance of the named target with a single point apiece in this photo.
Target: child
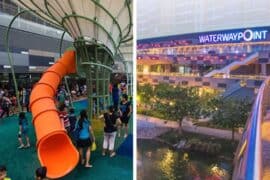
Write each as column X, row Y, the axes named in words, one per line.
column 125, row 108
column 72, row 120
column 41, row 173
column 110, row 129
column 64, row 117
column 67, row 102
column 23, row 130
column 3, row 173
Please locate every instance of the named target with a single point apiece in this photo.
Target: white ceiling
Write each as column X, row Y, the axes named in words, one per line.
column 157, row 18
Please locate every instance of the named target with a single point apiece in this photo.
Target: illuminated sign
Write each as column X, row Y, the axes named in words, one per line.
column 247, row 35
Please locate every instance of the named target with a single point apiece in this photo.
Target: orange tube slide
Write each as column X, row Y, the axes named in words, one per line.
column 54, row 147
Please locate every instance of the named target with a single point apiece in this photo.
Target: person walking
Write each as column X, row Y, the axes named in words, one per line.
column 111, row 120
column 125, row 113
column 85, row 138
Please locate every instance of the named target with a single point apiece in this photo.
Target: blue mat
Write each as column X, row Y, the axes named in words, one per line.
column 126, row 148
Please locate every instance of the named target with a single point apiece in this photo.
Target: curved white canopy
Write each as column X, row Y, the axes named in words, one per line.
column 107, row 22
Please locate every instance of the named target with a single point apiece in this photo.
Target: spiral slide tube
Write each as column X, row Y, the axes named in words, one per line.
column 54, row 147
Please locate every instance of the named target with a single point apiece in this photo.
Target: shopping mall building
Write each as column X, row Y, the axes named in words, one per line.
column 217, row 59
column 234, row 61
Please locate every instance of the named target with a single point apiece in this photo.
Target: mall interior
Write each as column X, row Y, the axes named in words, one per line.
column 61, row 61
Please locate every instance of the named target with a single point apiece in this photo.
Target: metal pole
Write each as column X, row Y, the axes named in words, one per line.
column 65, row 78
column 10, row 59
column 97, row 82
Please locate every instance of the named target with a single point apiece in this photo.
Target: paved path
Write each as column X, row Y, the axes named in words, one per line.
column 186, row 126
column 150, row 128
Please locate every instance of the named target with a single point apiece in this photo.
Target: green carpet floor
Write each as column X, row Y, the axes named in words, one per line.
column 21, row 164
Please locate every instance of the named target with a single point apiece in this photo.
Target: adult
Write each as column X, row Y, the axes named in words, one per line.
column 110, row 129
column 85, row 139
column 115, row 95
column 125, row 113
column 27, row 98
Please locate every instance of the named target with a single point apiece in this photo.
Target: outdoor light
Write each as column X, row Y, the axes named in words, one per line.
column 138, row 98
column 32, row 67
column 6, row 67
column 24, row 52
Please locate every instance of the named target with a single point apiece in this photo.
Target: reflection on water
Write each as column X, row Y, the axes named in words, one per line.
column 166, row 164
column 156, row 161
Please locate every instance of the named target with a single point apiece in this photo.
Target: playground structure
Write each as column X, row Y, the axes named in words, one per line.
column 99, row 29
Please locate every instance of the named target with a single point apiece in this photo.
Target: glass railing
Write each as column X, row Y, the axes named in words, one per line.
column 169, row 74
column 218, row 76
column 244, row 77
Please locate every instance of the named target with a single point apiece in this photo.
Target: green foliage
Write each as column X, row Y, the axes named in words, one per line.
column 174, row 102
column 146, row 93
column 231, row 114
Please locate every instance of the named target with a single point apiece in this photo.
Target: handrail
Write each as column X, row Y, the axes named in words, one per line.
column 254, row 147
column 230, row 66
column 250, row 167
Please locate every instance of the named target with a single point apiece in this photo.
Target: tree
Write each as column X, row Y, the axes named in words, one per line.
column 145, row 92
column 231, row 114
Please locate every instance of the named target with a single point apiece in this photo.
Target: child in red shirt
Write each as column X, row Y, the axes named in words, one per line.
column 64, row 117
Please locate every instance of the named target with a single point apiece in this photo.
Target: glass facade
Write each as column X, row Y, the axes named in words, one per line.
column 162, row 18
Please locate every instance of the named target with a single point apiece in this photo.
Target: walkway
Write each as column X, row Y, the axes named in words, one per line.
column 149, row 129
column 186, row 126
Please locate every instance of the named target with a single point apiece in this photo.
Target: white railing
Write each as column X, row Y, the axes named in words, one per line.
column 229, row 67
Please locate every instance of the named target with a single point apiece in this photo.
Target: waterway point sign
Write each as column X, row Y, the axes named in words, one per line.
column 240, row 36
